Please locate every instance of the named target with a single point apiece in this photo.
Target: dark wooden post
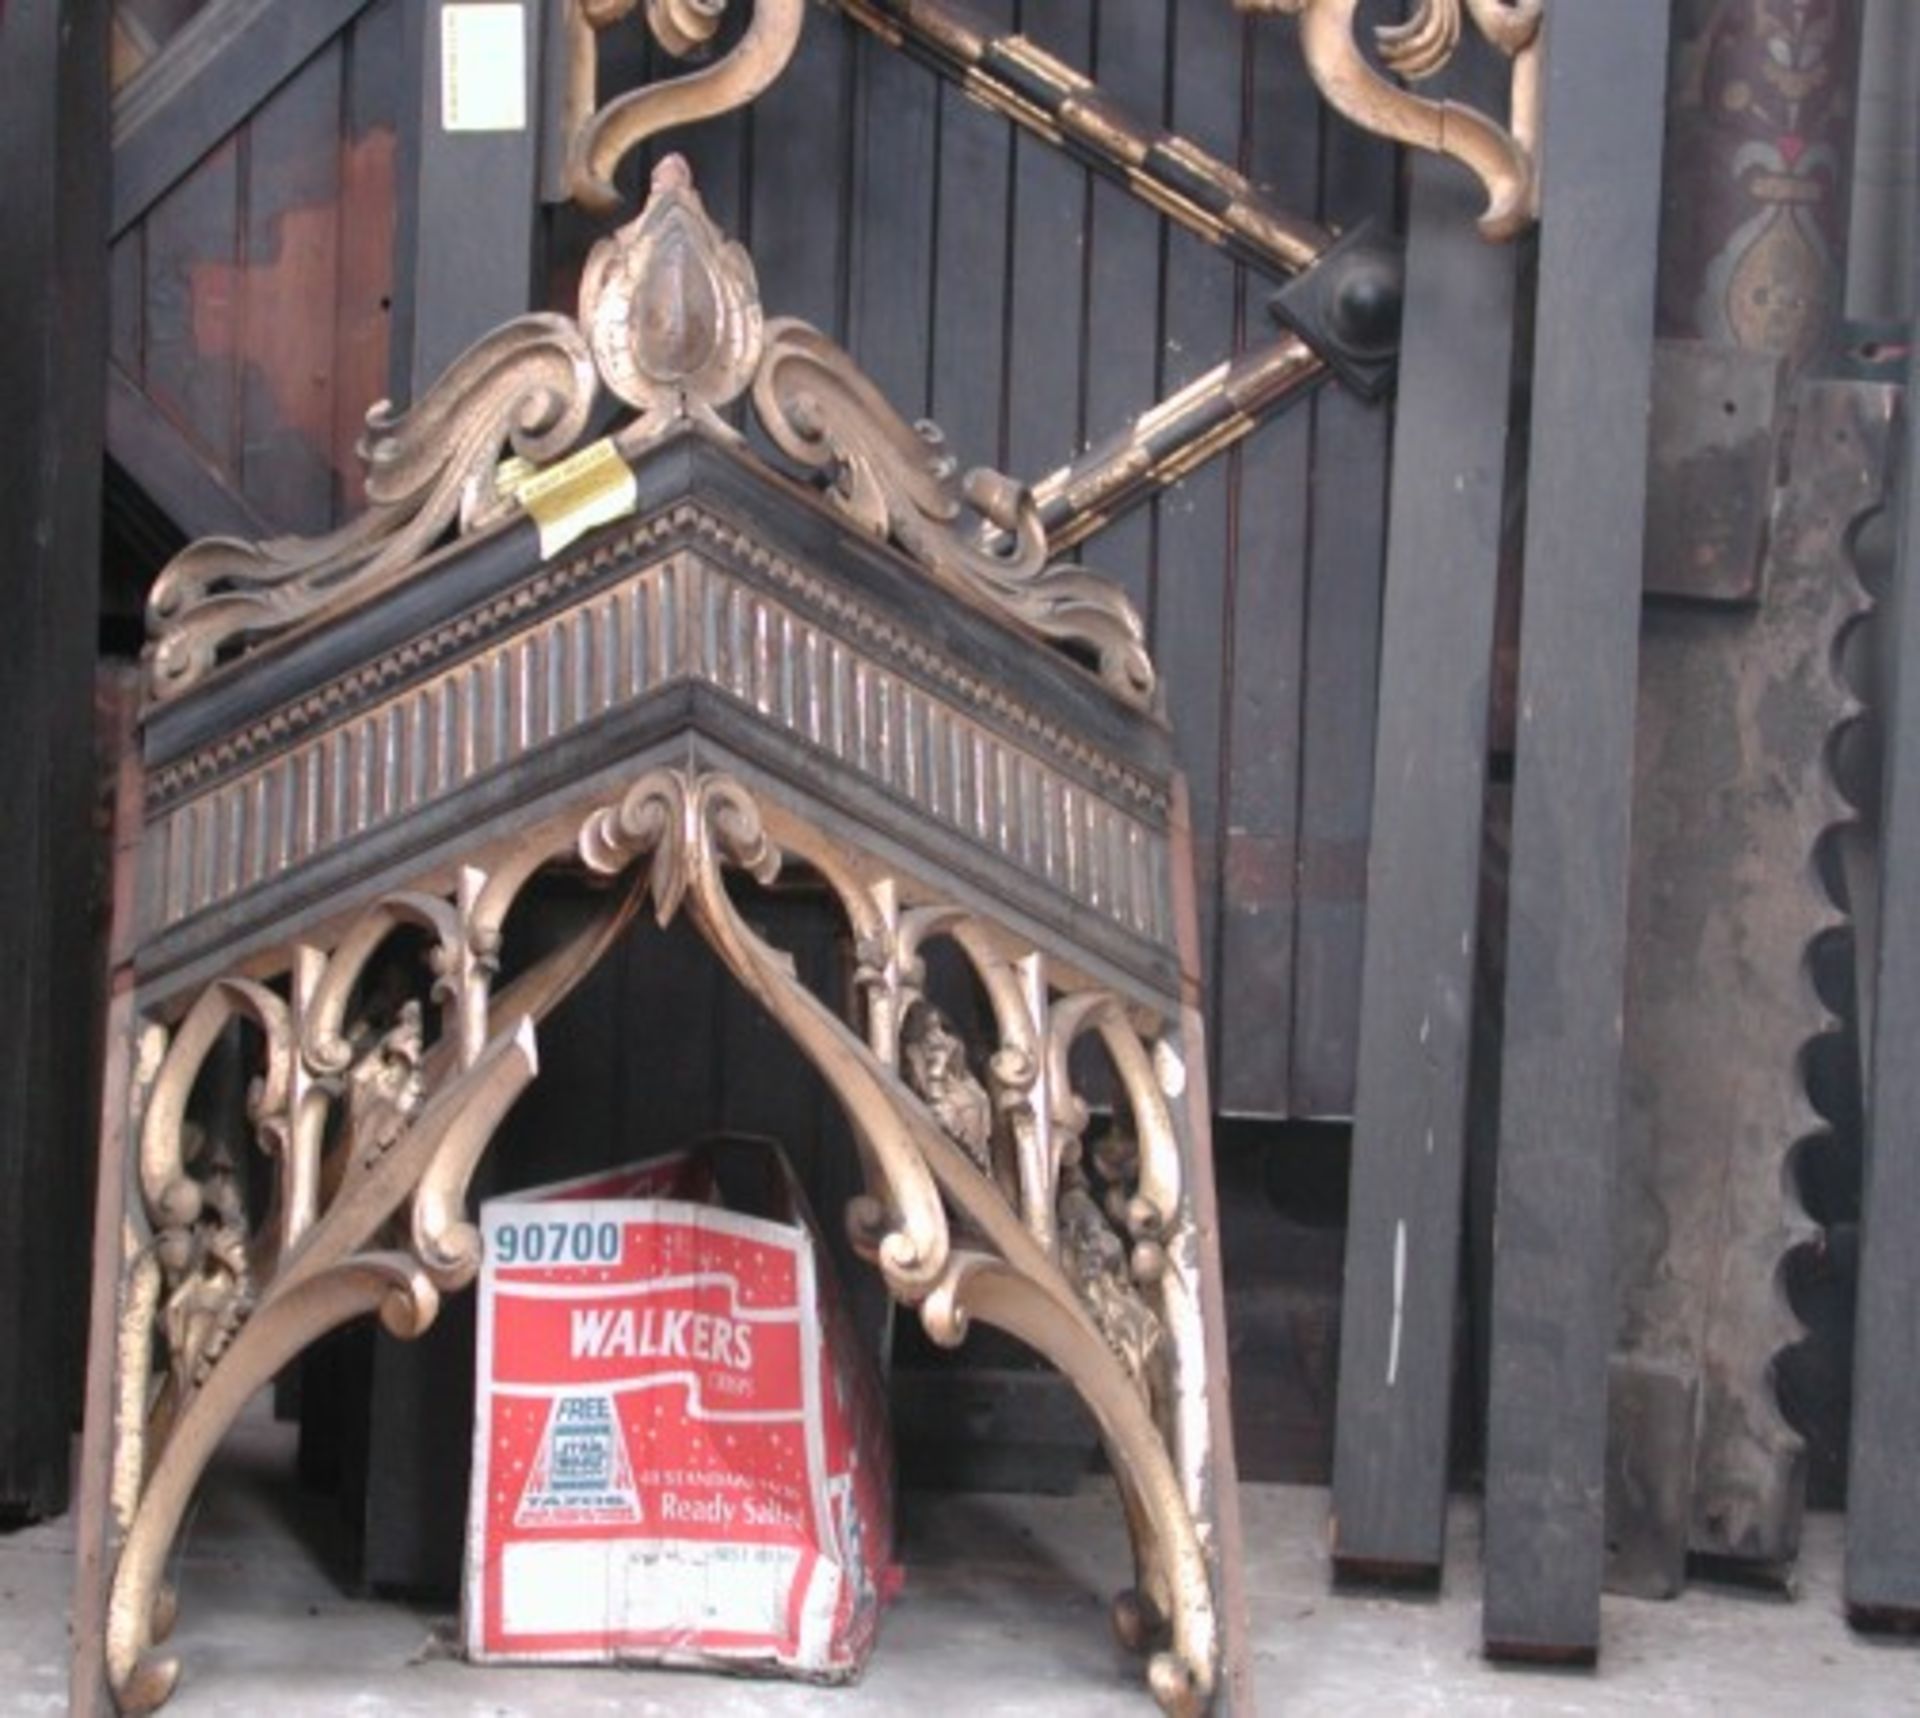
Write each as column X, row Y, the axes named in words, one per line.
column 1403, row 1229
column 1883, row 1504
column 53, row 268
column 469, row 181
column 1605, row 84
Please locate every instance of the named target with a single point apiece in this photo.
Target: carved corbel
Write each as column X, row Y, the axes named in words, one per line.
column 1505, row 159
column 601, row 137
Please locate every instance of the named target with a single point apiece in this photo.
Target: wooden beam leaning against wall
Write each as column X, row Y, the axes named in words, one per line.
column 53, row 105
column 1560, row 1105
column 1445, row 533
column 468, row 173
column 1883, row 1510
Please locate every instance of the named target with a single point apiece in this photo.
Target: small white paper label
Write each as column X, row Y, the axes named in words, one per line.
column 483, row 67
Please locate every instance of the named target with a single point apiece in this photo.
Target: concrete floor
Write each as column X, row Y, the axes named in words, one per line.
column 1004, row 1612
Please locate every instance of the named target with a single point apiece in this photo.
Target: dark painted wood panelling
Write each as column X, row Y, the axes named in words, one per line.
column 189, row 319
column 290, row 250
column 1122, row 282
column 1192, row 579
column 364, row 298
column 966, row 381
column 1044, row 407
column 1259, row 839
column 1341, row 653
column 799, row 230
column 895, row 179
column 252, row 302
column 984, row 279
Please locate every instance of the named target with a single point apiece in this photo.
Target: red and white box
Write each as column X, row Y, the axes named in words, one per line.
column 680, row 1450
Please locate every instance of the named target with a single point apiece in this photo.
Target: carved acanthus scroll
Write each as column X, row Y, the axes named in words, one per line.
column 529, row 386
column 603, row 136
column 1503, row 157
column 899, row 483
column 670, row 321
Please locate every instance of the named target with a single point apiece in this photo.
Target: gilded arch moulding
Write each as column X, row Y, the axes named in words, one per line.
column 374, row 1126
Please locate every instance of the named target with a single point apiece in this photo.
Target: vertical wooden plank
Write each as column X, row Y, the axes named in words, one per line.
column 1348, row 535
column 1122, row 278
column 1259, row 846
column 968, row 333
column 192, row 309
column 290, row 267
column 895, row 171
column 53, row 340
column 1046, row 336
column 801, row 132
column 467, row 198
column 1883, row 1506
column 363, row 302
column 1423, row 872
column 1199, row 323
column 1605, row 79
column 1886, row 149
column 126, row 270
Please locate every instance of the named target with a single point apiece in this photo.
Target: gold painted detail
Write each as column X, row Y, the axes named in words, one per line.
column 371, row 1131
column 670, row 321
column 1209, row 415
column 973, row 1205
column 1503, row 157
column 1020, row 80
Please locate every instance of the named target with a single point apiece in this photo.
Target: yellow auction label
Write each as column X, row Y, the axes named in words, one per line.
column 592, row 487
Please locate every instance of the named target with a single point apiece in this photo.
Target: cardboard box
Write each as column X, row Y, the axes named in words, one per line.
column 680, row 1451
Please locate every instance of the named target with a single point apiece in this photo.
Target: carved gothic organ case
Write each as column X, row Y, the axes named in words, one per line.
column 670, row 669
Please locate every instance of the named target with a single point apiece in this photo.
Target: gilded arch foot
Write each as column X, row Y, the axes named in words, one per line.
column 983, row 1201
column 372, row 1130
